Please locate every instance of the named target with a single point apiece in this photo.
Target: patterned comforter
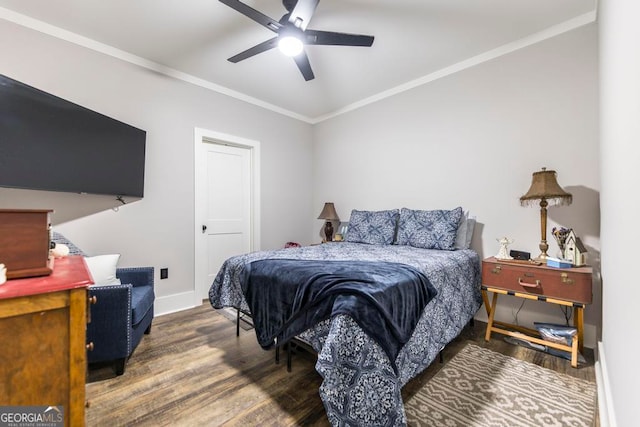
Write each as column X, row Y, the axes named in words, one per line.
column 360, row 386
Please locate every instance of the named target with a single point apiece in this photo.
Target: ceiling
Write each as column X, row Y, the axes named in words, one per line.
column 415, row 42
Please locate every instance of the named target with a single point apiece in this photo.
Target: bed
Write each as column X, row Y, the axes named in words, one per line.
column 361, row 385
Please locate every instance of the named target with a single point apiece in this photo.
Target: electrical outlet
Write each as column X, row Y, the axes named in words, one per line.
column 164, row 273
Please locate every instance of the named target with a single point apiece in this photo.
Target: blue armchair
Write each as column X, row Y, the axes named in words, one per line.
column 121, row 315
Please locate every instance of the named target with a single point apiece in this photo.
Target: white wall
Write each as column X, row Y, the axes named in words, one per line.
column 620, row 151
column 473, row 139
column 470, row 139
column 158, row 230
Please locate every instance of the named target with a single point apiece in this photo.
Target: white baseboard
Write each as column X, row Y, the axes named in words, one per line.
column 605, row 406
column 172, row 303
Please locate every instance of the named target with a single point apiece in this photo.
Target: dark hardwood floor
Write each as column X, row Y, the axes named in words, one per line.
column 192, row 370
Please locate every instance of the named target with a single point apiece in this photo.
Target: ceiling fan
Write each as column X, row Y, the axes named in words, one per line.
column 292, row 33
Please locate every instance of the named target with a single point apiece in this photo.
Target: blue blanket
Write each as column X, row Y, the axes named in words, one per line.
column 288, row 296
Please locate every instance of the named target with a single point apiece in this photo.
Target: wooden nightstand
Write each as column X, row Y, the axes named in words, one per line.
column 570, row 287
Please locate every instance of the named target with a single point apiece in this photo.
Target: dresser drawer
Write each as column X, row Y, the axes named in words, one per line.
column 571, row 284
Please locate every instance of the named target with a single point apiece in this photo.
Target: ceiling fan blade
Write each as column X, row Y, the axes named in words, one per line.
column 315, row 37
column 302, row 13
column 302, row 61
column 259, row 48
column 249, row 12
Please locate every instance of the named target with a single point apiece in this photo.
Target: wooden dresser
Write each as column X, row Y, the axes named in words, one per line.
column 43, row 334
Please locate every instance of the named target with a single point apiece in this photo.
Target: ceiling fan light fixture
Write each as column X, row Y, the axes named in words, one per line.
column 292, row 33
column 290, row 45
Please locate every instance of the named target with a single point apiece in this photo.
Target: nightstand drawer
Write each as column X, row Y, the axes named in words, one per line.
column 571, row 284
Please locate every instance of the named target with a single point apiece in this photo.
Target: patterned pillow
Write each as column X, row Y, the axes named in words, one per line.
column 429, row 229
column 372, row 227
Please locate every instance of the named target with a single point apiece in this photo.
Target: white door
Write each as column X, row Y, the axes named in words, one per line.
column 227, row 208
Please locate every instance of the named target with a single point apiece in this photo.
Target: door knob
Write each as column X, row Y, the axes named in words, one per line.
column 204, row 228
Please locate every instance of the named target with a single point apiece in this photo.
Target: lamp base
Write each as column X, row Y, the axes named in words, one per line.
column 544, row 246
column 541, row 258
column 328, row 231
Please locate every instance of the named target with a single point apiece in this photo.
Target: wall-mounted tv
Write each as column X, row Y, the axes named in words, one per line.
column 48, row 143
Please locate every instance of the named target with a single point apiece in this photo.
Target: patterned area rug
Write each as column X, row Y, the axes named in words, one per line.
column 479, row 387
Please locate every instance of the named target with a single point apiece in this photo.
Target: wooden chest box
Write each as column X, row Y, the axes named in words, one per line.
column 570, row 284
column 24, row 242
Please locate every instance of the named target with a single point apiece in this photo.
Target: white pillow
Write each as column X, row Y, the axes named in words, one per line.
column 103, row 269
column 461, row 234
column 465, row 231
column 471, row 223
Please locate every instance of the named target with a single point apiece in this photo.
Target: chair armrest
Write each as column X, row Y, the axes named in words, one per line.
column 110, row 321
column 112, row 302
column 137, row 276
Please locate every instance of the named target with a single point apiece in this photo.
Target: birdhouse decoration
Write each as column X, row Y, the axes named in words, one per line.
column 574, row 250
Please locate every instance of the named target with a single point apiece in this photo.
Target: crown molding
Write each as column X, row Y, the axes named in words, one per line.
column 548, row 33
column 57, row 32
column 105, row 49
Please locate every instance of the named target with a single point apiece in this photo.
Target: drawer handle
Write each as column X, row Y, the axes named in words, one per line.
column 528, row 285
column 497, row 269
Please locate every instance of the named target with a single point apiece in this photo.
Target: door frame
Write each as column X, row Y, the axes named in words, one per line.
column 202, row 137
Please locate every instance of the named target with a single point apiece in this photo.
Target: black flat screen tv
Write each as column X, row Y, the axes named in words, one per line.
column 48, row 143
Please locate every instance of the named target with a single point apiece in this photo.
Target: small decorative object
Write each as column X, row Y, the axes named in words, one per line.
column 545, row 187
column 60, row 250
column 24, row 241
column 3, row 274
column 574, row 250
column 329, row 214
column 503, row 253
column 342, row 232
column 560, row 234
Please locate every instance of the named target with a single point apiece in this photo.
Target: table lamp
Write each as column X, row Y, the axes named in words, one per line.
column 329, row 214
column 545, row 188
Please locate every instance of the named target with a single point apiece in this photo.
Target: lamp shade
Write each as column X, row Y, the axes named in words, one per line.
column 329, row 213
column 544, row 186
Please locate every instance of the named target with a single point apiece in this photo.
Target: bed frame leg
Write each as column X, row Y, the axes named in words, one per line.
column 238, row 322
column 277, row 354
column 441, row 357
column 288, row 345
column 472, row 322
